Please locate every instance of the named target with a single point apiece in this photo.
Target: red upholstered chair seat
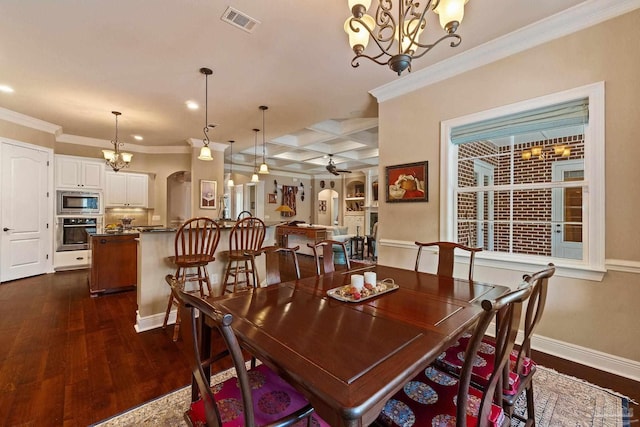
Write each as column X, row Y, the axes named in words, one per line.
column 272, row 398
column 453, row 358
column 415, row 405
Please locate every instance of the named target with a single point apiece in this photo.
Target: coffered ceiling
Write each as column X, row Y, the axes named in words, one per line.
column 72, row 62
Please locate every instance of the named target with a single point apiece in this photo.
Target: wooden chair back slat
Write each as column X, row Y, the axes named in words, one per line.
column 446, row 256
column 324, row 250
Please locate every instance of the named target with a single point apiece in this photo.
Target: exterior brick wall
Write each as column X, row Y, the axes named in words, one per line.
column 529, row 206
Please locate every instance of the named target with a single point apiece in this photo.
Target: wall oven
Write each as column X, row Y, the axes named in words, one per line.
column 78, row 203
column 73, row 232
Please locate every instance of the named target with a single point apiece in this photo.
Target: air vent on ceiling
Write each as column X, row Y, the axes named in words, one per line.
column 239, row 19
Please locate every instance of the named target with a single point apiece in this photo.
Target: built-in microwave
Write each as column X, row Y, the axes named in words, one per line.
column 78, row 203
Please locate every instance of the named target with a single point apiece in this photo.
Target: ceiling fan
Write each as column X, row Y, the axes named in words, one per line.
column 331, row 167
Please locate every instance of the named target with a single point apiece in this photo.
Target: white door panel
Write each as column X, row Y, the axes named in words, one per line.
column 566, row 211
column 26, row 238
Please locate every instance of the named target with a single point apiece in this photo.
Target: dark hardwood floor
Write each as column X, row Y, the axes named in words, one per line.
column 69, row 359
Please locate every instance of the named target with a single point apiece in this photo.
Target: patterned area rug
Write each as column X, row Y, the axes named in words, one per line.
column 560, row 401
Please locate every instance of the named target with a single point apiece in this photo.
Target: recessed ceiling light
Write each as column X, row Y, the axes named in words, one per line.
column 138, row 137
column 6, row 89
column 192, row 105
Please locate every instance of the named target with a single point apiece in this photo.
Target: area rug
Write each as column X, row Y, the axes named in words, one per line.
column 560, row 401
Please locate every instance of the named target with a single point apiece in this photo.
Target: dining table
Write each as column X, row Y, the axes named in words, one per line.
column 348, row 357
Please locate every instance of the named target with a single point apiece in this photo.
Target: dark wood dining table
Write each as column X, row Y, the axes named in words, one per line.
column 348, row 358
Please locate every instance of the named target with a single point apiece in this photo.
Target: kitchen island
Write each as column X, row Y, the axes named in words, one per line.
column 112, row 261
column 155, row 246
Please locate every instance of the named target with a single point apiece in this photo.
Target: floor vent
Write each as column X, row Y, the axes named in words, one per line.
column 239, row 19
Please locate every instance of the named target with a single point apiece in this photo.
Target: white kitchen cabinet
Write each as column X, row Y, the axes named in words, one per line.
column 127, row 190
column 77, row 172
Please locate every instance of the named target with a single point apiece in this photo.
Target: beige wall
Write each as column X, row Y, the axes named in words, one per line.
column 597, row 315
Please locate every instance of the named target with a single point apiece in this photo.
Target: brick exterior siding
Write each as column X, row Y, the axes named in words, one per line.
column 533, row 205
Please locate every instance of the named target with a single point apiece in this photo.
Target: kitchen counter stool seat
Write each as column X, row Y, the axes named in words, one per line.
column 245, row 243
column 194, row 247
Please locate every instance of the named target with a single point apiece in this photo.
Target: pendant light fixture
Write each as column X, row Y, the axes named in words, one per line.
column 264, row 169
column 254, row 177
column 115, row 158
column 205, row 151
column 230, row 183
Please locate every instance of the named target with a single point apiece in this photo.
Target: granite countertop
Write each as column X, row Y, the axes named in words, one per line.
column 133, row 233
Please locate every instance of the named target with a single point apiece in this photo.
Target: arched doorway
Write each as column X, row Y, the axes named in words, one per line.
column 178, row 198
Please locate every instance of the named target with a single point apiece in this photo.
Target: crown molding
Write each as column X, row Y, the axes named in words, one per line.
column 104, row 144
column 30, row 122
column 579, row 17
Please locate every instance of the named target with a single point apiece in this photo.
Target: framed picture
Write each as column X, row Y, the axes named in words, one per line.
column 208, row 192
column 272, row 198
column 408, row 182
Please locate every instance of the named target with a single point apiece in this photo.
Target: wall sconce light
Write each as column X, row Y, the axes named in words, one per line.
column 275, row 188
column 302, row 190
column 538, row 152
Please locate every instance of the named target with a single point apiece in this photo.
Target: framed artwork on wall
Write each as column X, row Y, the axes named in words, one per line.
column 208, row 192
column 272, row 198
column 408, row 182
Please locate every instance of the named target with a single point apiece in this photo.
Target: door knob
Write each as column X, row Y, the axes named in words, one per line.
column 6, row 229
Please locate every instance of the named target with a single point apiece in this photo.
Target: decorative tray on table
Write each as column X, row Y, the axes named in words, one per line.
column 348, row 293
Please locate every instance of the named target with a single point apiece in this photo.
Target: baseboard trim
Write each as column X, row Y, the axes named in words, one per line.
column 152, row 322
column 584, row 356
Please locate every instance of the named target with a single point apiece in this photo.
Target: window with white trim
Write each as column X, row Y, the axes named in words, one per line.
column 526, row 181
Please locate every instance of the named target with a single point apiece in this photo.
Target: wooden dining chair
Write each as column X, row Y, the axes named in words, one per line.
column 521, row 366
column 276, row 263
column 245, row 240
column 195, row 245
column 446, row 256
column 325, row 250
column 435, row 397
column 254, row 397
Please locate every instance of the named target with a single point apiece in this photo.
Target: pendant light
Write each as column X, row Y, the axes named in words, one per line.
column 114, row 158
column 264, row 169
column 205, row 151
column 254, row 177
column 230, row 183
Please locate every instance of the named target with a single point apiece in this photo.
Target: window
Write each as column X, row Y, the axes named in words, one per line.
column 526, row 182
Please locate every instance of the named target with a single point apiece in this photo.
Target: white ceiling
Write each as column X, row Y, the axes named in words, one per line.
column 71, row 62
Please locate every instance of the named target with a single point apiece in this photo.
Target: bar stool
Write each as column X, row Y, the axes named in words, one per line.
column 245, row 241
column 194, row 247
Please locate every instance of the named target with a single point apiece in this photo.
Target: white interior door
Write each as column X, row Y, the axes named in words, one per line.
column 26, row 211
column 566, row 211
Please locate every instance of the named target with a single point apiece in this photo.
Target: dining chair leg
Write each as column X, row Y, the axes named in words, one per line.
column 166, row 314
column 531, row 411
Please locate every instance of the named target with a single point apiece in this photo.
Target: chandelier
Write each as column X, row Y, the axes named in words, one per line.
column 115, row 158
column 255, row 177
column 264, row 169
column 205, row 151
column 397, row 32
